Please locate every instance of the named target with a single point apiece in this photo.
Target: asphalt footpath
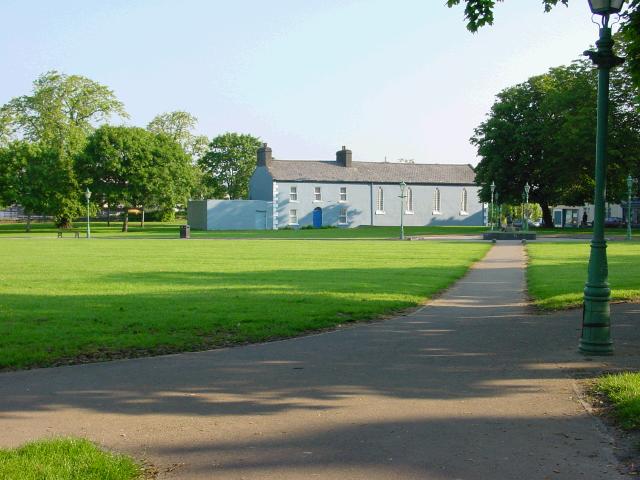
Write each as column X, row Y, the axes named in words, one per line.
column 474, row 385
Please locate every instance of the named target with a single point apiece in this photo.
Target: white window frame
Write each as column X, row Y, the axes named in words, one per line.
column 437, row 201
column 293, row 194
column 380, row 201
column 343, row 218
column 409, row 202
column 464, row 202
column 293, row 214
column 317, row 194
column 343, row 195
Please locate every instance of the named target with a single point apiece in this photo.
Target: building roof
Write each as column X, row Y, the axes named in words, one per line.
column 375, row 172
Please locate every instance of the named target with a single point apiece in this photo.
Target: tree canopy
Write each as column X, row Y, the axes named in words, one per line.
column 56, row 117
column 479, row 13
column 55, row 142
column 542, row 132
column 229, row 163
column 60, row 112
column 38, row 178
column 179, row 126
column 135, row 168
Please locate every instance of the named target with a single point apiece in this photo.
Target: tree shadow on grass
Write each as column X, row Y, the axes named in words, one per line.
column 165, row 312
column 443, row 351
column 389, row 378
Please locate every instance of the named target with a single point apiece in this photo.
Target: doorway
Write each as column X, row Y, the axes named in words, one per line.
column 317, row 217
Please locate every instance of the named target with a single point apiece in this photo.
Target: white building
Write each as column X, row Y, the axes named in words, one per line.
column 341, row 192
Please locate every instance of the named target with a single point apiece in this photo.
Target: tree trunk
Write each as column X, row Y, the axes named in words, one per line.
column 125, row 222
column 108, row 214
column 28, row 222
column 142, row 218
column 547, row 219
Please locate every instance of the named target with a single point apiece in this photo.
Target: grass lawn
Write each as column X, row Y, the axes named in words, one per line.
column 65, row 459
column 171, row 230
column 623, row 391
column 557, row 272
column 78, row 300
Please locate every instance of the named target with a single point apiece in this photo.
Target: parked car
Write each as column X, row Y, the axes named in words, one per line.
column 614, row 222
column 518, row 223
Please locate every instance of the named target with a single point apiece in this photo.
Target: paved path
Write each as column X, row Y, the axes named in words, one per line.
column 472, row 386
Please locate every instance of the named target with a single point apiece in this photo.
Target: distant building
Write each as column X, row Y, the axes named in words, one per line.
column 344, row 193
column 572, row 216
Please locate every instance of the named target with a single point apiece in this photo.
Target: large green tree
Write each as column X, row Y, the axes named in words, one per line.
column 179, row 126
column 60, row 112
column 38, row 178
column 542, row 132
column 133, row 167
column 228, row 165
column 58, row 115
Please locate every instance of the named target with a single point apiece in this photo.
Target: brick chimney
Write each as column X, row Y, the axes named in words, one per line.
column 264, row 156
column 343, row 157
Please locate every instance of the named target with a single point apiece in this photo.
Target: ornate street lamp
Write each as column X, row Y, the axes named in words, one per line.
column 596, row 325
column 403, row 188
column 629, row 187
column 87, row 195
column 527, row 188
column 605, row 7
column 491, row 212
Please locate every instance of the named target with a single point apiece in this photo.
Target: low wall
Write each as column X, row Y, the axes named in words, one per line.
column 508, row 236
column 230, row 214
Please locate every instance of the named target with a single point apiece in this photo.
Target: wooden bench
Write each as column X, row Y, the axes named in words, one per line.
column 76, row 233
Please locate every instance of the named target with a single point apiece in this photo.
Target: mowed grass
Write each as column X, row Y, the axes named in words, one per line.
column 66, row 301
column 623, row 391
column 171, row 230
column 65, row 459
column 557, row 273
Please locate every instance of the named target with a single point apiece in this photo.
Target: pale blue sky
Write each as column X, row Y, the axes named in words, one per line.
column 402, row 79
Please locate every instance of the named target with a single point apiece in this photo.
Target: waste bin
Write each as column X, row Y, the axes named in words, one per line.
column 185, row 231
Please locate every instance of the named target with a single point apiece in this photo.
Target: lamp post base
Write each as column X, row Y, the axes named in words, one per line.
column 596, row 326
column 600, row 349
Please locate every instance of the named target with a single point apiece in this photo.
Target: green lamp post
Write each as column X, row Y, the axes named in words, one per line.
column 596, row 325
column 498, row 211
column 491, row 212
column 527, row 189
column 87, row 195
column 629, row 187
column 403, row 188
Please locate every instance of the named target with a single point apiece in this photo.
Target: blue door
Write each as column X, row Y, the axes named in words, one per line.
column 317, row 217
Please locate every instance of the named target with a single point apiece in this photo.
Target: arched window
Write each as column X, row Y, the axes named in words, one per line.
column 436, row 201
column 380, row 200
column 409, row 206
column 463, row 202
